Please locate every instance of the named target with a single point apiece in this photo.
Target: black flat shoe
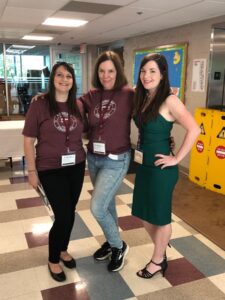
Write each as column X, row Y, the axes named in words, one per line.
column 57, row 276
column 70, row 264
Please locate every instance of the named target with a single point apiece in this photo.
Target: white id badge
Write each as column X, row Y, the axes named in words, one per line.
column 68, row 159
column 99, row 147
column 138, row 157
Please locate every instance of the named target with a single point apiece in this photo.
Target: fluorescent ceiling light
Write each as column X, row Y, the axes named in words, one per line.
column 37, row 38
column 64, row 22
column 22, row 47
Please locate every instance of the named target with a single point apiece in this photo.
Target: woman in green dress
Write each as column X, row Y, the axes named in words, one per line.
column 155, row 111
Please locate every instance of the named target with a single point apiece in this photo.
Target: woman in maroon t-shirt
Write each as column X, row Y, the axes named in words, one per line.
column 58, row 164
column 109, row 109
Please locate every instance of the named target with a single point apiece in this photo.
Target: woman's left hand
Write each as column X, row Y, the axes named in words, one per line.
column 165, row 161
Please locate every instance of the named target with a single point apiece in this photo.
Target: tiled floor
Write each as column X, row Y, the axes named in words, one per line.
column 196, row 266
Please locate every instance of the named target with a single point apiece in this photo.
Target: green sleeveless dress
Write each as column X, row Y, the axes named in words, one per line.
column 152, row 197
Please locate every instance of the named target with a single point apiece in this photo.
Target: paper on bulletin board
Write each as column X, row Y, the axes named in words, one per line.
column 198, row 75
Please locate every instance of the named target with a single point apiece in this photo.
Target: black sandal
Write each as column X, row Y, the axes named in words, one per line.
column 147, row 275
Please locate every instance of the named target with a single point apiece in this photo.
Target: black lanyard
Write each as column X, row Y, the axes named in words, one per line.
column 102, row 113
column 67, row 129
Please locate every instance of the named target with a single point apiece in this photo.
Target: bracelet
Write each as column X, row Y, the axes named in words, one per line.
column 31, row 171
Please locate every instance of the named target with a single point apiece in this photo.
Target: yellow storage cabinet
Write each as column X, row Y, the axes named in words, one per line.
column 216, row 167
column 200, row 151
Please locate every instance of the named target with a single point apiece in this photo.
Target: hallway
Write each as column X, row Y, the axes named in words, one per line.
column 196, row 265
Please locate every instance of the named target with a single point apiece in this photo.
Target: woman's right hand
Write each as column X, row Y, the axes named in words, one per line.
column 33, row 99
column 33, row 179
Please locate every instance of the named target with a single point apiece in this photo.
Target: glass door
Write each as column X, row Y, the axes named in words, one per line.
column 27, row 70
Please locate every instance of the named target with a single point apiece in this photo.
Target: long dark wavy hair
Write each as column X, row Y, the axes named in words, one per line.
column 51, row 94
column 121, row 79
column 163, row 90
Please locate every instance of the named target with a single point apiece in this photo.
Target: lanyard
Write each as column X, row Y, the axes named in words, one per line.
column 103, row 112
column 67, row 127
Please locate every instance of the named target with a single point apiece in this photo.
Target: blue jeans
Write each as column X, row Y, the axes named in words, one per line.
column 106, row 176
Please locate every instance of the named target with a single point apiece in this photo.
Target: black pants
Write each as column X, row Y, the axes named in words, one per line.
column 62, row 187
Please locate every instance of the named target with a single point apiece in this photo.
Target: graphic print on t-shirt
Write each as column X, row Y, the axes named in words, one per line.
column 111, row 108
column 59, row 123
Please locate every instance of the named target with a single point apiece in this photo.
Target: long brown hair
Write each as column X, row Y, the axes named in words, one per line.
column 51, row 94
column 121, row 79
column 163, row 90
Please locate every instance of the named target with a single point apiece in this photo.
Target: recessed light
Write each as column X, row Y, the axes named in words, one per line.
column 22, row 47
column 64, row 22
column 37, row 38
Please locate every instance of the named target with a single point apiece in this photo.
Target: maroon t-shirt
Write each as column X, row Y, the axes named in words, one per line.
column 51, row 134
column 116, row 118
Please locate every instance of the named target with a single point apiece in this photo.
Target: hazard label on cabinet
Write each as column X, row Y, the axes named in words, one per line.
column 221, row 134
column 220, row 152
column 199, row 146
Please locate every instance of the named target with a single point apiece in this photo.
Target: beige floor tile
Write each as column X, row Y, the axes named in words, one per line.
column 136, row 237
column 29, row 296
column 88, row 186
column 127, row 182
column 13, row 242
column 211, row 245
column 83, row 247
column 201, row 289
column 4, row 182
column 45, row 281
column 84, row 195
column 219, row 281
column 83, row 205
column 178, row 231
column 90, row 222
column 7, row 202
column 10, row 228
column 23, row 187
column 37, row 225
column 126, row 198
column 188, row 227
column 7, row 199
column 136, row 260
column 175, row 218
column 123, row 210
column 18, row 283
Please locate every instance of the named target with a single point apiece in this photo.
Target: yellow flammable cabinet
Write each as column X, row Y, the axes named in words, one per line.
column 216, row 167
column 200, row 151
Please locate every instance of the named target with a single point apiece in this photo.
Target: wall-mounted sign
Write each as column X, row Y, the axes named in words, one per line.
column 198, row 75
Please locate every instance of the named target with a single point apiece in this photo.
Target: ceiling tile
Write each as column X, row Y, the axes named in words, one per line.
column 44, row 4
column 25, row 15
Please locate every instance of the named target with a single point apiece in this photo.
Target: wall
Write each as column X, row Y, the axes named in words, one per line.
column 198, row 36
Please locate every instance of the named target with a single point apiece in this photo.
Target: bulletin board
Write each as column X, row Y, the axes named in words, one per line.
column 176, row 56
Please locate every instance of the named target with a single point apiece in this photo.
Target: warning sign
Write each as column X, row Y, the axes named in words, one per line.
column 221, row 134
column 220, row 152
column 202, row 129
column 200, row 146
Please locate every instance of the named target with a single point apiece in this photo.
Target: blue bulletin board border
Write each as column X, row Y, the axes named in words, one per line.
column 176, row 56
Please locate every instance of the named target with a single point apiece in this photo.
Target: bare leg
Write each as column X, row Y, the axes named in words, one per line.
column 161, row 236
column 150, row 229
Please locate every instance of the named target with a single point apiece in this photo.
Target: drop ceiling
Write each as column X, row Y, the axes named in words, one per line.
column 108, row 20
